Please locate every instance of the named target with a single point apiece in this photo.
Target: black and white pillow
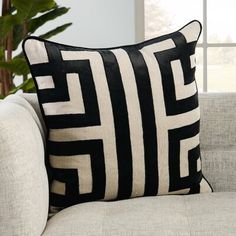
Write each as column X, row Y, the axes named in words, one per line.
column 122, row 122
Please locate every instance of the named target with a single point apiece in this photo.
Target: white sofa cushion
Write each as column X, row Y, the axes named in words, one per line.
column 198, row 214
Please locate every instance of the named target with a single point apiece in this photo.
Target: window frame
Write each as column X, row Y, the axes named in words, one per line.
column 205, row 45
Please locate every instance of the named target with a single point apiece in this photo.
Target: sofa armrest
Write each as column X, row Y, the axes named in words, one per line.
column 23, row 178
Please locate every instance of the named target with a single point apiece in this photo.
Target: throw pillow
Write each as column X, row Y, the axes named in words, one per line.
column 122, row 122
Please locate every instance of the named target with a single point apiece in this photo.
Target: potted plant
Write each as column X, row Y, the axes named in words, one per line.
column 21, row 18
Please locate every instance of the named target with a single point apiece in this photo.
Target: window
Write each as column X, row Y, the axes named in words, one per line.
column 216, row 50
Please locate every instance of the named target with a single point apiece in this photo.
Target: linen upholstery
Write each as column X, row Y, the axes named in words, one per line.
column 33, row 101
column 30, row 103
column 218, row 139
column 195, row 215
column 23, row 178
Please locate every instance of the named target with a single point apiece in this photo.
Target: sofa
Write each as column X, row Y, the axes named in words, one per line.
column 24, row 184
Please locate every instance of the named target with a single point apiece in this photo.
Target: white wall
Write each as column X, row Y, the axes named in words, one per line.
column 98, row 23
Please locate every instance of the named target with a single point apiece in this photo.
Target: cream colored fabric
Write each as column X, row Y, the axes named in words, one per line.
column 218, row 139
column 30, row 103
column 23, row 178
column 32, row 99
column 200, row 214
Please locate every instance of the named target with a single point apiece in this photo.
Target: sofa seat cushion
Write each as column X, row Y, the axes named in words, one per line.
column 198, row 214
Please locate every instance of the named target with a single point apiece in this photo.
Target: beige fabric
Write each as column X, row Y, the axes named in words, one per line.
column 218, row 121
column 23, row 179
column 30, row 103
column 218, row 139
column 32, row 99
column 200, row 214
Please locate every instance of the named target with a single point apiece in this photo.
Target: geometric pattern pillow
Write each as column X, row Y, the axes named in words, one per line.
column 122, row 122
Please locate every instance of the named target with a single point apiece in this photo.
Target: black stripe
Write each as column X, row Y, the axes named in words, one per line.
column 181, row 52
column 148, row 121
column 91, row 116
column 70, row 176
column 175, row 136
column 122, row 132
column 58, row 69
column 185, row 50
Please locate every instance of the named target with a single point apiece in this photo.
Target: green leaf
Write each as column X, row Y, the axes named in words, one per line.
column 18, row 66
column 17, row 35
column 35, row 23
column 27, row 86
column 26, row 9
column 2, row 52
column 6, row 24
column 55, row 31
